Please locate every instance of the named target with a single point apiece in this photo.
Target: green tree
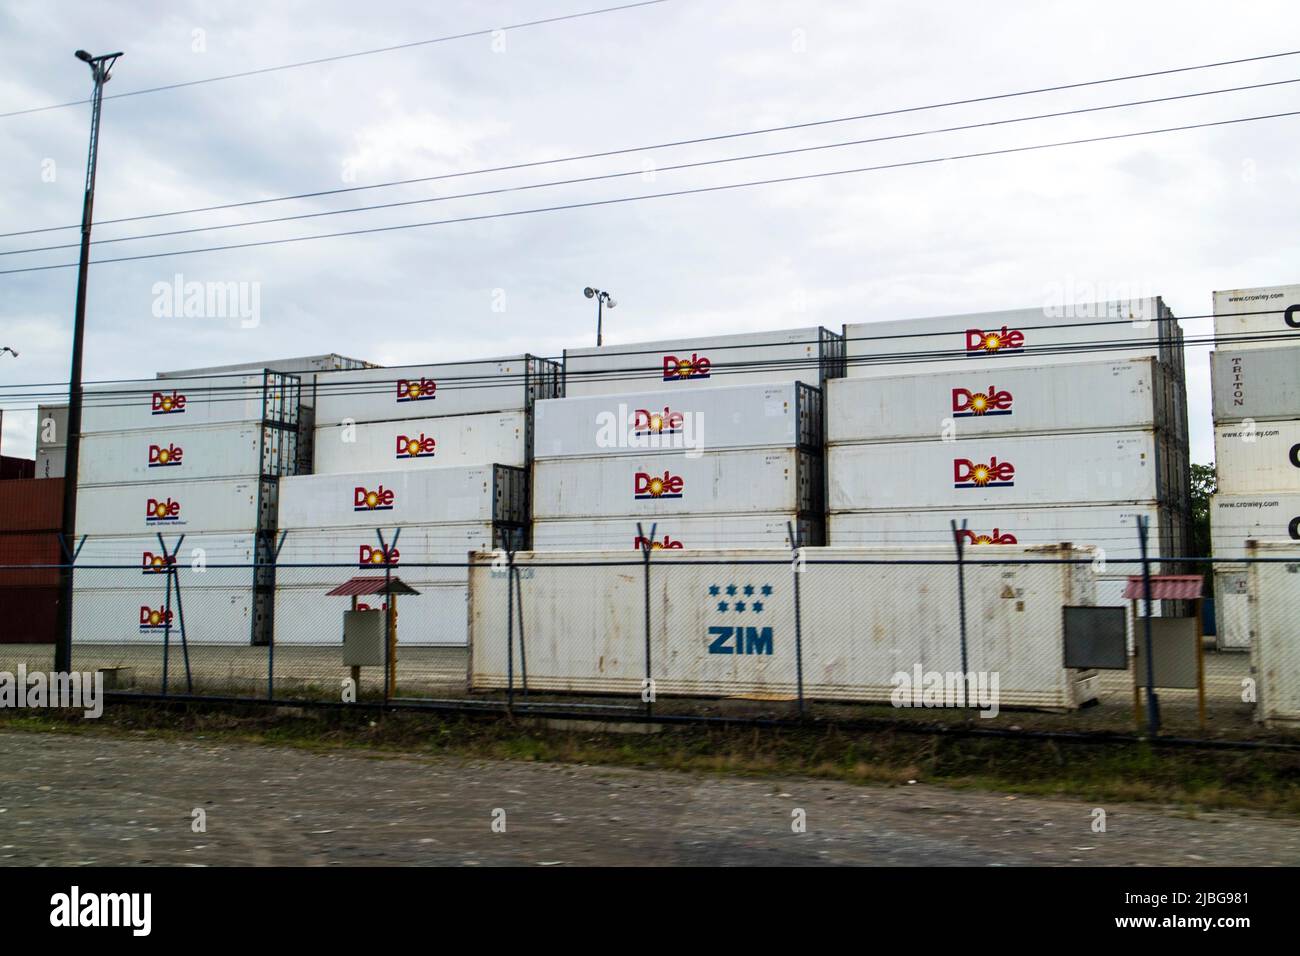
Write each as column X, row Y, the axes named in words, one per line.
column 1204, row 484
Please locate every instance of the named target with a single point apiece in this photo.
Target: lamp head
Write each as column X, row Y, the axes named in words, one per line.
column 589, row 292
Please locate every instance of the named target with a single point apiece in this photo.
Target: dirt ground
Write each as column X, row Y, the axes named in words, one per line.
column 68, row 799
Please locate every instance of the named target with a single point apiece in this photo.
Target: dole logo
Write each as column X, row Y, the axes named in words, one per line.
column 980, row 342
column 369, row 557
column 640, row 543
column 381, row 499
column 992, row 401
column 156, row 511
column 164, row 404
column 151, row 563
column 667, row 422
column 169, row 457
column 677, row 368
column 420, row 447
column 654, row 486
column 154, row 619
column 969, row 474
column 417, row 390
column 996, row 537
column 362, row 606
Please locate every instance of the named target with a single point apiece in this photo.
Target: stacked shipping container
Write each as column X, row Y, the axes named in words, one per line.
column 30, row 515
column 1255, row 384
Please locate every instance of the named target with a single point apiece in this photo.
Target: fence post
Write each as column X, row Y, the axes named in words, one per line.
column 796, row 547
column 646, row 542
column 1153, row 702
column 390, row 652
column 174, row 571
column 959, row 541
column 270, row 645
column 70, row 556
column 519, row 597
column 510, row 625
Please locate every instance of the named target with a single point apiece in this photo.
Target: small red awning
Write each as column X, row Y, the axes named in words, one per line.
column 1165, row 587
column 358, row 587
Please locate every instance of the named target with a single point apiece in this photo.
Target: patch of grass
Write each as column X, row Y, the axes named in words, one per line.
column 1190, row 779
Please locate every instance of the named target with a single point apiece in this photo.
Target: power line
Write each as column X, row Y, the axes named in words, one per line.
column 646, row 148
column 340, row 56
column 664, row 195
column 664, row 169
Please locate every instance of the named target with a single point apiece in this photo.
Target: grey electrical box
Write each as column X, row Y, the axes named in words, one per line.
column 1173, row 652
column 363, row 638
column 1095, row 638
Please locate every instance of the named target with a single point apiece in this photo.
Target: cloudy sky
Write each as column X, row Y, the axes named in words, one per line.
column 1177, row 215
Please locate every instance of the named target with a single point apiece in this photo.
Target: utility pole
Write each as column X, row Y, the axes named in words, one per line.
column 100, row 69
column 602, row 299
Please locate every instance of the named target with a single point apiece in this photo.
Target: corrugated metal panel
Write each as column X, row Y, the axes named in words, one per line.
column 423, row 443
column 29, row 505
column 29, row 548
column 1265, row 318
column 1257, row 458
column 1261, row 384
column 1165, row 587
column 31, row 616
column 356, row 587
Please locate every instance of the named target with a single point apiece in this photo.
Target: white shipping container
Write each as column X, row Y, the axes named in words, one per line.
column 728, row 628
column 1007, row 472
column 1261, row 384
column 170, row 455
column 985, row 341
column 1231, row 607
column 1273, row 607
column 174, row 404
column 789, row 355
column 50, row 462
column 674, row 532
column 1235, row 519
column 1251, row 458
column 1263, row 318
column 422, row 391
column 215, row 504
column 976, row 401
column 366, row 499
column 357, row 551
column 437, row 616
column 647, row 486
column 139, row 616
column 667, row 419
column 422, row 443
column 123, row 560
column 299, row 365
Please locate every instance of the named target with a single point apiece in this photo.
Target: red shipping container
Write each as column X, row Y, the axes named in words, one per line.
column 31, row 504
column 28, row 548
column 29, row 615
column 17, row 467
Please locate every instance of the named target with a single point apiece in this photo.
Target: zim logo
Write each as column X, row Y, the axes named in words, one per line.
column 740, row 640
column 168, row 457
column 173, row 404
column 381, row 499
column 156, row 511
column 653, row 486
column 154, row 619
column 421, row 447
column 667, row 422
column 677, row 369
column 979, row 342
column 996, row 537
column 992, row 401
column 639, row 543
column 416, row 391
column 969, row 474
column 369, row 557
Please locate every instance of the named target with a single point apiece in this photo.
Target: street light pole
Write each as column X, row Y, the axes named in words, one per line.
column 100, row 69
column 602, row 298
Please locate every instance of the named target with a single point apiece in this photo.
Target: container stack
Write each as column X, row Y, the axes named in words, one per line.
column 31, row 513
column 1255, row 385
column 51, row 440
column 1029, row 428
column 195, row 457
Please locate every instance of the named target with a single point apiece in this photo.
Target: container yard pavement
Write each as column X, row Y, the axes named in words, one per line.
column 68, row 799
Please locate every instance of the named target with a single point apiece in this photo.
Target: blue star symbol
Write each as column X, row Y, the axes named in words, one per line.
column 731, row 590
column 767, row 590
column 758, row 607
column 749, row 589
column 722, row 605
column 714, row 590
column 740, row 607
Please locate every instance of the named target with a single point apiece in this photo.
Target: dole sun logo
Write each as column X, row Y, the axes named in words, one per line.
column 639, row 543
column 381, row 499
column 169, row 457
column 992, row 401
column 420, row 447
column 164, row 404
column 668, row 485
column 970, row 474
column 167, row 510
column 154, row 619
column 667, row 422
column 677, row 368
column 996, row 537
column 151, row 563
column 370, row 557
column 999, row 341
column 416, row 390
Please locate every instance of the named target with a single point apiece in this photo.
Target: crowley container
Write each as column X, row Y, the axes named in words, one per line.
column 1251, row 458
column 1111, row 530
column 975, row 401
column 422, row 443
column 427, row 391
column 1273, row 607
column 737, row 416
column 169, row 454
column 330, row 556
column 1234, row 519
column 1266, row 317
column 1231, row 607
column 27, row 505
column 31, row 616
column 675, row 532
column 19, row 551
column 211, row 505
column 984, row 341
column 731, row 482
column 810, row 355
column 306, row 363
column 1261, row 384
column 728, row 628
column 434, row 617
column 366, row 499
column 185, row 403
column 140, row 615
column 1012, row 471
